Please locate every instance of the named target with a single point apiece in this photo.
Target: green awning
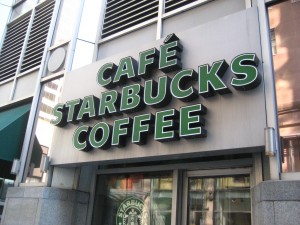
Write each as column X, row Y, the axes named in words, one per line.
column 12, row 130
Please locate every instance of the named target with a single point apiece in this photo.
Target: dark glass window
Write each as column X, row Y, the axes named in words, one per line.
column 219, row 201
column 134, row 199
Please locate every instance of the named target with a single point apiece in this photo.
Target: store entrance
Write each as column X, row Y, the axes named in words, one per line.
column 217, row 200
column 159, row 195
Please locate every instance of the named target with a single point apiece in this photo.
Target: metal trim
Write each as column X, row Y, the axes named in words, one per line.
column 183, row 166
column 70, row 56
column 159, row 28
column 53, row 76
column 58, row 45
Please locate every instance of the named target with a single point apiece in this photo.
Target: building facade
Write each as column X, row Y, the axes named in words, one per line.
column 154, row 112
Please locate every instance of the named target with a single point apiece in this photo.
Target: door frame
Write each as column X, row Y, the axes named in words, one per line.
column 207, row 173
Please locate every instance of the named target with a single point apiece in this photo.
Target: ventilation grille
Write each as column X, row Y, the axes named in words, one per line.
column 122, row 14
column 38, row 36
column 175, row 4
column 12, row 47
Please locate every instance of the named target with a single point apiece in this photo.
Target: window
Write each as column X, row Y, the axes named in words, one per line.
column 4, row 184
column 15, row 39
column 273, row 41
column 49, row 99
column 283, row 19
column 38, row 36
column 141, row 198
column 218, row 197
column 12, row 47
column 120, row 15
column 291, row 154
column 219, row 200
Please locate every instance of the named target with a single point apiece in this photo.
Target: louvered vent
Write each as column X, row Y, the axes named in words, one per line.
column 123, row 14
column 175, row 4
column 37, row 38
column 12, row 47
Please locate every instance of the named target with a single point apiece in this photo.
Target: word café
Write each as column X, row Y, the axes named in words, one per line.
column 128, row 94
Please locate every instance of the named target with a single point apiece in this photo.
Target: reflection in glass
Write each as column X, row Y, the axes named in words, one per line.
column 118, row 196
column 89, row 20
column 83, row 54
column 284, row 20
column 291, row 154
column 219, row 201
column 43, row 135
column 85, row 43
column 66, row 23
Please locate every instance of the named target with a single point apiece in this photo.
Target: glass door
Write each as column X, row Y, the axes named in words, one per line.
column 222, row 200
column 133, row 199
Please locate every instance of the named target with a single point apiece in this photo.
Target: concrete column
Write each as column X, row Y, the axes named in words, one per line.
column 45, row 206
column 276, row 203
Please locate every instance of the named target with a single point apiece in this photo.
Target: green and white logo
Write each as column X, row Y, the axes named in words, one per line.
column 130, row 212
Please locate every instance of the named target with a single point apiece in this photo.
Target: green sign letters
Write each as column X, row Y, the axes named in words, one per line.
column 166, row 125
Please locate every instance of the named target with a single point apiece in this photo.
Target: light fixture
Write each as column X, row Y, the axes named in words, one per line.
column 270, row 144
column 45, row 162
column 15, row 167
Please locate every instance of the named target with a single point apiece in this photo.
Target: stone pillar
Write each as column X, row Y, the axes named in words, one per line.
column 45, row 206
column 276, row 203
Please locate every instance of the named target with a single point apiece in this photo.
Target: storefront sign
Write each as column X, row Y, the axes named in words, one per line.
column 167, row 125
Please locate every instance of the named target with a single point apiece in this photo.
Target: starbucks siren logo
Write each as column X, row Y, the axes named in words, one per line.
column 130, row 212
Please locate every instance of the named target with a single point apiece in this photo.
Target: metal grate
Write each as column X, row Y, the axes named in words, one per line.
column 175, row 4
column 38, row 36
column 123, row 14
column 12, row 48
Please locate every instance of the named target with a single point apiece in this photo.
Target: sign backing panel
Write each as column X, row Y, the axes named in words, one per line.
column 233, row 121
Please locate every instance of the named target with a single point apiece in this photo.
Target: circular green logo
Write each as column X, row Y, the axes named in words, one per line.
column 130, row 212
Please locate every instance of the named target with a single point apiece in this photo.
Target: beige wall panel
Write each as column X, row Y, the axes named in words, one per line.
column 200, row 15
column 5, row 91
column 26, row 85
column 129, row 41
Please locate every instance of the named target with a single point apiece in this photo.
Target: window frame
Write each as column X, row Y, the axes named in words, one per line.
column 208, row 174
column 141, row 170
column 273, row 41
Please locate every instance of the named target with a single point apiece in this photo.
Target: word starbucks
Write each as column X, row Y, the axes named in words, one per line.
column 167, row 125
